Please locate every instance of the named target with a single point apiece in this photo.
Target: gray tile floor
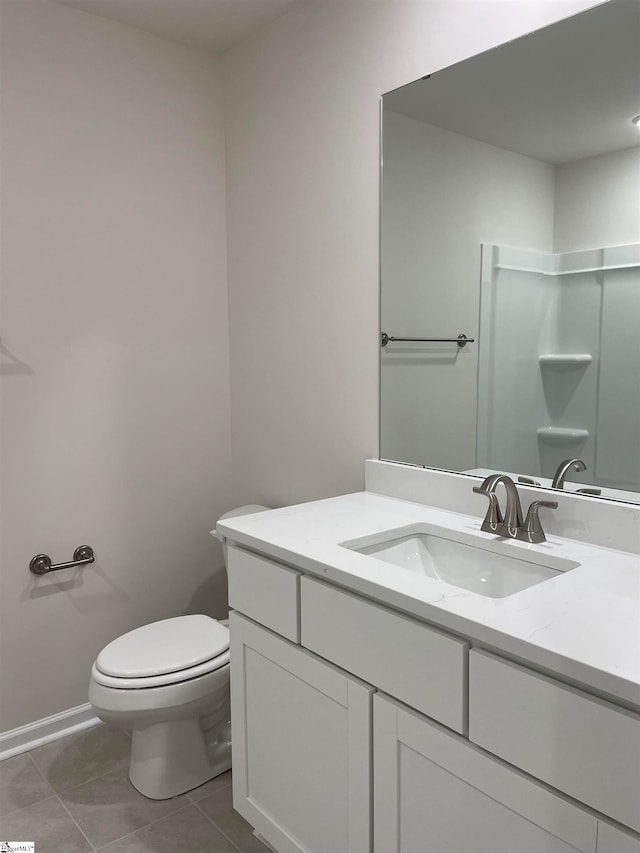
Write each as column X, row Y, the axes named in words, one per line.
column 74, row 796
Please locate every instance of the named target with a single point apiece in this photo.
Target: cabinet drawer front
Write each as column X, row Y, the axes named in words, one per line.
column 577, row 743
column 422, row 667
column 264, row 591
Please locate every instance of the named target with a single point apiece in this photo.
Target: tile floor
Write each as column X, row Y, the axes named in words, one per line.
column 74, row 796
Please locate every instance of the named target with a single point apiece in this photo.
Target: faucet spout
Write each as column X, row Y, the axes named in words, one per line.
column 512, row 522
column 563, row 469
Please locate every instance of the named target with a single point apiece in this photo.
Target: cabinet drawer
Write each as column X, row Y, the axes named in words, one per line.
column 422, row 667
column 264, row 591
column 584, row 746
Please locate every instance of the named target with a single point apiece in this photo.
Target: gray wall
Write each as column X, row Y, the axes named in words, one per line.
column 597, row 201
column 115, row 412
column 445, row 195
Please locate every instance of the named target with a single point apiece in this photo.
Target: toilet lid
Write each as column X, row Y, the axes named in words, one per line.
column 164, row 647
column 169, row 679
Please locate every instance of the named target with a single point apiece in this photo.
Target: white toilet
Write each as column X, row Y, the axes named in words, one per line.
column 169, row 683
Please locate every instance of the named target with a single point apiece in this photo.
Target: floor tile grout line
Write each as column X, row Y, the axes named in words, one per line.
column 40, row 772
column 206, row 796
column 145, row 826
column 218, row 828
column 58, row 794
column 63, row 791
column 50, row 796
column 141, row 828
column 125, row 761
column 94, row 849
column 75, row 822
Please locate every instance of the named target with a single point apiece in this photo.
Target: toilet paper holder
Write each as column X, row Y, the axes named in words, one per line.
column 41, row 564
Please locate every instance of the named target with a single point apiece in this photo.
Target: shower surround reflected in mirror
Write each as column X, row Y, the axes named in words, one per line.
column 511, row 214
column 558, row 365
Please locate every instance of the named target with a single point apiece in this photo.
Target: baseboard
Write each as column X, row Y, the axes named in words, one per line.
column 46, row 730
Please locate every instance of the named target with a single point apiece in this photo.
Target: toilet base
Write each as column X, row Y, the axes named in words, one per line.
column 170, row 758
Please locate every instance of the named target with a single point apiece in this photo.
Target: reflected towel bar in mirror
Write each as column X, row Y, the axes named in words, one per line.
column 461, row 340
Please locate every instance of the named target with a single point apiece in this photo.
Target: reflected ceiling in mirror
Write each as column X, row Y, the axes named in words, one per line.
column 511, row 215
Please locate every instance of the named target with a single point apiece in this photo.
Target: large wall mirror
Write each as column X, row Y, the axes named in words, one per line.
column 511, row 216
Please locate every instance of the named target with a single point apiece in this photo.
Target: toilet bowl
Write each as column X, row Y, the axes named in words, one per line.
column 168, row 682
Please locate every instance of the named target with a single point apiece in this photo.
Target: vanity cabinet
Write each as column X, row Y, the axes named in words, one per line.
column 436, row 793
column 360, row 729
column 301, row 745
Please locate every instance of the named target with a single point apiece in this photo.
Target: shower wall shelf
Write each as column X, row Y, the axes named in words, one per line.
column 562, row 435
column 565, row 361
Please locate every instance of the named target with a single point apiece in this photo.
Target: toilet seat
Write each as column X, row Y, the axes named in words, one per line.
column 168, row 678
column 165, row 652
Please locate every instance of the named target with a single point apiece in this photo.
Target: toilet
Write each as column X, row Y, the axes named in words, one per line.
column 168, row 682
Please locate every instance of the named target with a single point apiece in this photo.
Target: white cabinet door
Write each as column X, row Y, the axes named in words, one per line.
column 436, row 793
column 301, row 733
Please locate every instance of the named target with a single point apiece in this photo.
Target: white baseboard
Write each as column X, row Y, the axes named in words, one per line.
column 46, row 730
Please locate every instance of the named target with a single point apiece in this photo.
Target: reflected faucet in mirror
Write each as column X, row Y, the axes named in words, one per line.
column 563, row 469
column 511, row 526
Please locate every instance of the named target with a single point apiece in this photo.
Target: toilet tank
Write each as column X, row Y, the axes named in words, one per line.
column 248, row 509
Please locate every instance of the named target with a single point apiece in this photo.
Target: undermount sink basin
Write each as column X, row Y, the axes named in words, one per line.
column 495, row 568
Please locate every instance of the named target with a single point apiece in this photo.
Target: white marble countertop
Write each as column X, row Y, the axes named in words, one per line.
column 582, row 625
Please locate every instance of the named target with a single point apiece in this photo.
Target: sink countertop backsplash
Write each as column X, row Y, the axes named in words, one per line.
column 582, row 625
column 612, row 524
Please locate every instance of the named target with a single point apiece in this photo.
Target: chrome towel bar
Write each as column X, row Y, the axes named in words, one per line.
column 41, row 563
column 461, row 340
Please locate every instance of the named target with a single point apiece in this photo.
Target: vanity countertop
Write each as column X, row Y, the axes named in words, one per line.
column 583, row 625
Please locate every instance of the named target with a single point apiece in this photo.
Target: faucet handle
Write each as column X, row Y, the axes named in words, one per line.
column 531, row 530
column 528, row 481
column 493, row 519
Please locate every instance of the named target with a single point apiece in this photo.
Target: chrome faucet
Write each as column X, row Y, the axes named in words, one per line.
column 563, row 469
column 512, row 521
column 511, row 525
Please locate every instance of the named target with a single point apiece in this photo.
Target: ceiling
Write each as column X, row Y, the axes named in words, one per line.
column 213, row 25
column 563, row 93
